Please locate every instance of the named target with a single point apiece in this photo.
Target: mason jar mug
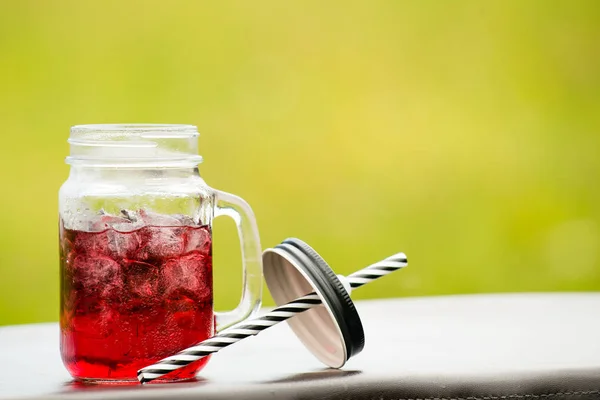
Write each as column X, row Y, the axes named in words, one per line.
column 135, row 224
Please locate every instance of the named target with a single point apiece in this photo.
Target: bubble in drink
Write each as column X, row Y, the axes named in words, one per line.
column 131, row 298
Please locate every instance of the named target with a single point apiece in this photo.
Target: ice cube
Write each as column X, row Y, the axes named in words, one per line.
column 95, row 273
column 198, row 239
column 130, row 215
column 160, row 242
column 141, row 279
column 95, row 318
column 188, row 273
column 82, row 220
column 133, row 221
column 108, row 221
column 93, row 243
column 182, row 310
column 185, row 220
column 123, row 244
column 126, row 227
column 155, row 219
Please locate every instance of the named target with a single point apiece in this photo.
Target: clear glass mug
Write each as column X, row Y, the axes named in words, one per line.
column 136, row 251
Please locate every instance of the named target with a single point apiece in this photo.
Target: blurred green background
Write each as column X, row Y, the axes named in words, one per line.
column 465, row 134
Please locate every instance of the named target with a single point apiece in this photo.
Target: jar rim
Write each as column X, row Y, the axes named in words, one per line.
column 133, row 144
column 169, row 130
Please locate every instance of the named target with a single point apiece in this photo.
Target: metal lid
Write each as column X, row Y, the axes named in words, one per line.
column 332, row 331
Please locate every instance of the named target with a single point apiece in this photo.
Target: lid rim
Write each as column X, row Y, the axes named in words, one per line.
column 349, row 319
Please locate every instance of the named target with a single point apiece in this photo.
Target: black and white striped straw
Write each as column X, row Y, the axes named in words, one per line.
column 255, row 326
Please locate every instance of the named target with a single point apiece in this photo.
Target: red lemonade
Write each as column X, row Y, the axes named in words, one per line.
column 132, row 297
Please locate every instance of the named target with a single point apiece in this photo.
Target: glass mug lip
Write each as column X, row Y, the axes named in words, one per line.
column 133, row 144
column 136, row 129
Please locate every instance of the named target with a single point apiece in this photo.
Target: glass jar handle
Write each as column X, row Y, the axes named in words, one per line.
column 252, row 278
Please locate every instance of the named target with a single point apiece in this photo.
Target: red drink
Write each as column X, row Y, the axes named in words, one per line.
column 131, row 298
